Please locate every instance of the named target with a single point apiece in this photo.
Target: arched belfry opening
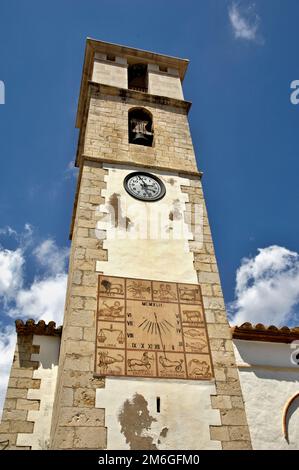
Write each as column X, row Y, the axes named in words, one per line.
column 137, row 77
column 140, row 127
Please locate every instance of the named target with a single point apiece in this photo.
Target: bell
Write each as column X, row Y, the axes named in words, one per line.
column 140, row 139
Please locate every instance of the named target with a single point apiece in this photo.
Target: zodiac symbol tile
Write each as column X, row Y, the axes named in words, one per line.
column 151, row 329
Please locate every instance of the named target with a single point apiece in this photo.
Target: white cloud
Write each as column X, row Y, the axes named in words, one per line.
column 8, row 231
column 51, row 257
column 244, row 21
column 11, row 273
column 71, row 170
column 7, row 347
column 267, row 288
column 43, row 299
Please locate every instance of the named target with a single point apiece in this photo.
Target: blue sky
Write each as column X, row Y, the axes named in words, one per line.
column 243, row 57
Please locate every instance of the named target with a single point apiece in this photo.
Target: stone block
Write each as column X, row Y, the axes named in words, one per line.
column 81, row 379
column 90, row 279
column 219, row 433
column 208, row 278
column 235, row 417
column 214, row 303
column 219, row 373
column 90, row 303
column 82, row 417
column 236, row 445
column 73, row 332
column 217, row 344
column 221, row 358
column 84, row 348
column 23, row 404
column 77, row 277
column 90, row 438
column 28, row 383
column 64, row 438
column 12, row 382
column 76, row 302
column 206, row 289
column 221, row 402
column 219, row 331
column 82, row 318
column 228, row 388
column 84, row 398
column 78, row 362
column 18, row 372
column 16, row 393
column 21, row 426
column 10, row 404
column 238, row 433
column 210, row 317
column 237, row 402
column 84, row 291
column 67, row 397
column 4, row 427
column 89, row 334
column 8, row 439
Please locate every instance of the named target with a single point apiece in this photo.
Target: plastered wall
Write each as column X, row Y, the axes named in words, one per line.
column 152, row 247
column 268, row 380
column 110, row 73
column 133, row 421
column 164, row 84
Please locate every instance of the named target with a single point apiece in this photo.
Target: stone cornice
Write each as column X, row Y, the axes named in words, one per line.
column 141, row 165
column 260, row 332
column 124, row 93
column 39, row 328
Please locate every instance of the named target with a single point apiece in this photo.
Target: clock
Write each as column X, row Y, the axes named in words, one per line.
column 144, row 186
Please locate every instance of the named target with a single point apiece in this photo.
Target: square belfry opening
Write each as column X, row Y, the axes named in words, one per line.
column 145, row 333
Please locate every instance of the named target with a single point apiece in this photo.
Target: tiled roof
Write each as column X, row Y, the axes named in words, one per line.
column 39, row 328
column 260, row 332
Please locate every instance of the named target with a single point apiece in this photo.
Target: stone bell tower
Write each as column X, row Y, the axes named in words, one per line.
column 145, row 357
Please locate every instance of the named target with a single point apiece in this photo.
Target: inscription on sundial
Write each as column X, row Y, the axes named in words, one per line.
column 151, row 329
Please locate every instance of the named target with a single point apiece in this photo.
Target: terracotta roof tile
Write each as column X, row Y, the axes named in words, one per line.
column 260, row 332
column 39, row 328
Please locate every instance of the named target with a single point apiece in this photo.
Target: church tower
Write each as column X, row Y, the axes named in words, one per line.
column 146, row 358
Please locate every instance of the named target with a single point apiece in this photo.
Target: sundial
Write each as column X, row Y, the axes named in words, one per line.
column 151, row 329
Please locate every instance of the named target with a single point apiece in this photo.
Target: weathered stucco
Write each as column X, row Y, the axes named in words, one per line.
column 155, row 246
column 268, row 380
column 133, row 421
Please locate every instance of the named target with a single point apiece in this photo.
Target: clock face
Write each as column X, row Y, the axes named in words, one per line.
column 144, row 186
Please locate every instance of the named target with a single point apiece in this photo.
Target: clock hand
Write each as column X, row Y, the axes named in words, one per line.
column 142, row 182
column 160, row 334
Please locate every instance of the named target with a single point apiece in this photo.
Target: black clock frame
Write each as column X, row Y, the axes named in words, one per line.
column 140, row 198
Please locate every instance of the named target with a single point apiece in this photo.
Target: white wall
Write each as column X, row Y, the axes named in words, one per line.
column 185, row 414
column 47, row 373
column 269, row 382
column 133, row 254
column 165, row 84
column 110, row 73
